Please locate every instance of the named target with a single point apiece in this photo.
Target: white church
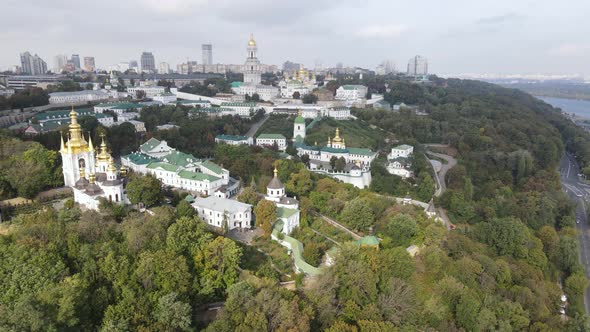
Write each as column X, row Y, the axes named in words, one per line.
column 90, row 176
column 287, row 207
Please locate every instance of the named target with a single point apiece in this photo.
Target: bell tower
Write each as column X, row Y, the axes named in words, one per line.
column 76, row 153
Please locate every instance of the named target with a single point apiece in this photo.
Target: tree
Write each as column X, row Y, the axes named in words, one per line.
column 358, row 214
column 576, row 284
column 144, row 189
column 401, row 229
column 266, row 214
column 305, row 160
column 333, row 161
column 508, row 236
column 172, row 314
column 300, row 183
column 187, row 235
column 249, row 196
column 296, row 95
column 218, row 266
column 140, row 94
column 184, row 209
column 255, row 97
column 340, row 164
column 310, row 98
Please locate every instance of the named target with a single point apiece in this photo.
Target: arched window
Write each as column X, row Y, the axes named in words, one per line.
column 110, row 198
column 116, row 197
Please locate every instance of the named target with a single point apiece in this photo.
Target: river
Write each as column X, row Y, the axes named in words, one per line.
column 580, row 108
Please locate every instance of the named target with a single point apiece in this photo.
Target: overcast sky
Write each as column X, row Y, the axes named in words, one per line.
column 457, row 36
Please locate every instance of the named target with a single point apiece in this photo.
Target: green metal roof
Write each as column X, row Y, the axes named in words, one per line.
column 232, row 137
column 189, row 198
column 285, row 212
column 139, row 158
column 207, row 110
column 236, row 84
column 334, row 150
column 213, row 167
column 179, row 158
column 150, row 144
column 361, row 151
column 369, row 240
column 197, row 176
column 63, row 114
column 299, row 119
column 165, row 166
column 271, row 136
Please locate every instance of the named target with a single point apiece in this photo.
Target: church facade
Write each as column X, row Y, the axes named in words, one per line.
column 91, row 176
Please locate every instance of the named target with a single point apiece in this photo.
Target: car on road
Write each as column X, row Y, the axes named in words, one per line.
column 577, row 221
column 579, row 195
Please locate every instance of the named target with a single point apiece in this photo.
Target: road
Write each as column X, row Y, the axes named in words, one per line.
column 578, row 191
column 444, row 168
column 257, row 125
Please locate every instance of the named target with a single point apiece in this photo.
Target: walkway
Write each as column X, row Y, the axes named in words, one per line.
column 336, row 224
column 257, row 125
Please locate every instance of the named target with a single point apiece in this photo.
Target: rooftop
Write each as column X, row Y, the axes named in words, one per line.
column 235, row 104
column 197, row 176
column 353, row 87
column 271, row 136
column 165, row 166
column 179, row 158
column 139, row 158
column 150, row 144
column 232, row 137
column 285, row 212
column 213, row 167
column 62, row 114
column 119, row 106
column 403, row 147
column 76, row 93
column 361, row 151
column 221, row 204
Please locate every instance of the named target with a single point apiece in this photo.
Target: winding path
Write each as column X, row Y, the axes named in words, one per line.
column 444, row 168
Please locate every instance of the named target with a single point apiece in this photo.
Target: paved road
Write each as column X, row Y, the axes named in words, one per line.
column 578, row 192
column 257, row 125
column 444, row 168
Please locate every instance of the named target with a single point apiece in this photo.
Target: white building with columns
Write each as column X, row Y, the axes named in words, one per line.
column 223, row 212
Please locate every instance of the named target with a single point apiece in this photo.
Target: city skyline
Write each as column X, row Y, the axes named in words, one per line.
column 454, row 41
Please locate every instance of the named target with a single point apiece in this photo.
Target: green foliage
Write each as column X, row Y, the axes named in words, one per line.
column 401, row 229
column 266, row 214
column 218, row 262
column 144, row 189
column 26, row 98
column 358, row 214
column 249, row 196
column 184, row 209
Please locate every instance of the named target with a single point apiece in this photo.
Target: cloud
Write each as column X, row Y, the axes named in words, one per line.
column 570, row 50
column 382, row 31
column 501, row 19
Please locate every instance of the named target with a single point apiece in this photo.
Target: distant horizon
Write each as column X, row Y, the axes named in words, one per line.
column 468, row 37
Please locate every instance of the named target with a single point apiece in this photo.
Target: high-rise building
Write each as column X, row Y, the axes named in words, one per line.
column 163, row 68
column 89, row 63
column 76, row 60
column 386, row 67
column 417, row 66
column 207, row 54
column 32, row 64
column 59, row 63
column 252, row 73
column 148, row 63
column 132, row 65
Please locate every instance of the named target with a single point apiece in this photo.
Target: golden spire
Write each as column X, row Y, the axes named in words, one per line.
column 276, row 172
column 251, row 42
column 91, row 178
column 103, row 156
column 62, row 146
column 337, row 138
column 90, row 146
column 299, row 113
column 82, row 173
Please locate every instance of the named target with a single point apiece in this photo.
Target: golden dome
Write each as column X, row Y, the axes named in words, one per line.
column 251, row 42
column 76, row 143
column 111, row 168
column 123, row 171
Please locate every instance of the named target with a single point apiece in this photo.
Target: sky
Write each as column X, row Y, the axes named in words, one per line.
column 456, row 36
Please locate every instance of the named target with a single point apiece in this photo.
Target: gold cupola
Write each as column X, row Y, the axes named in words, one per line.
column 103, row 155
column 337, row 138
column 251, row 42
column 76, row 143
column 111, row 168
